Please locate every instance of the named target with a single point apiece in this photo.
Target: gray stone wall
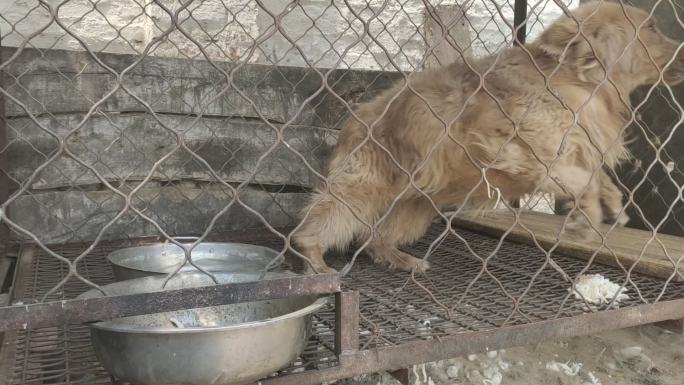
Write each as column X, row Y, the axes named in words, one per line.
column 320, row 33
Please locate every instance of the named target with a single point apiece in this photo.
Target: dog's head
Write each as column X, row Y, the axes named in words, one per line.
column 621, row 39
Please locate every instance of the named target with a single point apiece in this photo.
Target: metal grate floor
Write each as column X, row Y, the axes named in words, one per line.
column 459, row 294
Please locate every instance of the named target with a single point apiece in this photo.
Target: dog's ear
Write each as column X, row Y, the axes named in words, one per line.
column 558, row 38
column 564, row 41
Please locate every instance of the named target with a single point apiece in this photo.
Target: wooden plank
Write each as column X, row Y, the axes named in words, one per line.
column 623, row 246
column 73, row 216
column 126, row 146
column 346, row 89
column 456, row 44
column 56, row 94
column 58, row 81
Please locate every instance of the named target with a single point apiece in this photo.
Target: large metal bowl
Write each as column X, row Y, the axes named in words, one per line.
column 223, row 345
column 164, row 258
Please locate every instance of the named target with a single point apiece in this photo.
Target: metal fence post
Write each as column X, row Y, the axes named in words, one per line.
column 346, row 324
column 519, row 21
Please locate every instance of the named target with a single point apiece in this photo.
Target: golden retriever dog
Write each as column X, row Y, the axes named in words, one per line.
column 546, row 117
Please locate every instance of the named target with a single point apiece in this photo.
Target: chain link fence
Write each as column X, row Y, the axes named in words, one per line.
column 354, row 128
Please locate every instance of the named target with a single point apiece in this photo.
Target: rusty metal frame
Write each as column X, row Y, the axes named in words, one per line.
column 394, row 358
column 353, row 361
column 86, row 310
column 346, row 324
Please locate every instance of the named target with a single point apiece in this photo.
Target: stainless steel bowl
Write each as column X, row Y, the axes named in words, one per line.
column 222, row 345
column 164, row 258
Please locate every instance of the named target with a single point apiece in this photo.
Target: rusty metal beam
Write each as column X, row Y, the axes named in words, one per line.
column 346, row 323
column 96, row 309
column 401, row 356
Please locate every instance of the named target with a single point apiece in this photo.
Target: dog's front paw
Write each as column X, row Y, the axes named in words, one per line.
column 622, row 219
column 579, row 227
column 619, row 218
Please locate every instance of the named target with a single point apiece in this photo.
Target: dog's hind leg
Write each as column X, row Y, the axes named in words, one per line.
column 406, row 223
column 330, row 223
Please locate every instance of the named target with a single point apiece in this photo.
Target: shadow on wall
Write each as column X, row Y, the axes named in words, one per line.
column 654, row 177
column 656, row 173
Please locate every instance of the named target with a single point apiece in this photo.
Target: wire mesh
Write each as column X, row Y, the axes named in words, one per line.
column 353, row 124
column 63, row 354
column 394, row 308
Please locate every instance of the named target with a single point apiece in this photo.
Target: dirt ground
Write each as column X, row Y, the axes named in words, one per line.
column 645, row 355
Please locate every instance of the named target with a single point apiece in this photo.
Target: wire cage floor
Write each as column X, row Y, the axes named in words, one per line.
column 395, row 308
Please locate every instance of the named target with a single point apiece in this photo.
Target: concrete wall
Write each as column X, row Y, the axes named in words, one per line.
column 321, row 33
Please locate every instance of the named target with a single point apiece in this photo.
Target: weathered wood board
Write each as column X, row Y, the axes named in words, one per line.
column 59, row 82
column 450, row 45
column 126, row 147
column 625, row 247
column 242, row 110
column 345, row 90
column 75, row 216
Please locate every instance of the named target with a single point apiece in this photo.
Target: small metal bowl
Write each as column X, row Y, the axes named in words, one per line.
column 164, row 258
column 222, row 345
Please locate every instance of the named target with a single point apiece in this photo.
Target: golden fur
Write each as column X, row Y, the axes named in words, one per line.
column 502, row 117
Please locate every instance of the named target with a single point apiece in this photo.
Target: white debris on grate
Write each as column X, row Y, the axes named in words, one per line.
column 568, row 368
column 597, row 289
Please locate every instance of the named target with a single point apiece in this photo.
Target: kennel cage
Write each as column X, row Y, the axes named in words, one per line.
column 131, row 124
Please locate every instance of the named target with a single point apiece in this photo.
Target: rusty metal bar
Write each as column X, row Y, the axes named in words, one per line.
column 519, row 21
column 402, row 356
column 76, row 311
column 346, row 323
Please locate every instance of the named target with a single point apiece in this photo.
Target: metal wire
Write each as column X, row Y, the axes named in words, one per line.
column 166, row 118
column 394, row 308
column 64, row 354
